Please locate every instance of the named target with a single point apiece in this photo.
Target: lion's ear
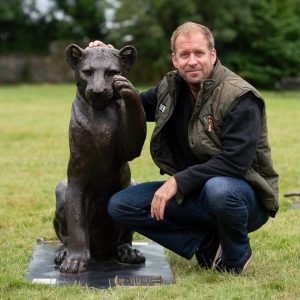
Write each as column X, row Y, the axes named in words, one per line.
column 73, row 55
column 128, row 56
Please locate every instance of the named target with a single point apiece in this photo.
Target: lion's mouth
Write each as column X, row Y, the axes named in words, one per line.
column 99, row 100
column 101, row 104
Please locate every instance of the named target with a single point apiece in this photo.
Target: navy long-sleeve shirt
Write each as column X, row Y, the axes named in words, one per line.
column 239, row 138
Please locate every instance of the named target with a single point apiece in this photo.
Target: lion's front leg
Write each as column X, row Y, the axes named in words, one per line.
column 76, row 255
column 135, row 119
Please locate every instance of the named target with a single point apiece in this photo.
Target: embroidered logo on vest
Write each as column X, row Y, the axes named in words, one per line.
column 210, row 122
column 162, row 108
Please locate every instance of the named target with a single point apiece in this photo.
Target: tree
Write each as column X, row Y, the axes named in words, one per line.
column 266, row 43
column 13, row 24
column 258, row 39
column 85, row 18
column 148, row 24
column 25, row 28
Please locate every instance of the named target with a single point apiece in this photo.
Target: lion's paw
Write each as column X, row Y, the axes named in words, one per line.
column 60, row 256
column 128, row 255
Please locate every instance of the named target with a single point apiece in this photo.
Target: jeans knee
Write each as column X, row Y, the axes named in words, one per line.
column 224, row 194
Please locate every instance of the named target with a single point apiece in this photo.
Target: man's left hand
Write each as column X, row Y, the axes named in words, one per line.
column 161, row 197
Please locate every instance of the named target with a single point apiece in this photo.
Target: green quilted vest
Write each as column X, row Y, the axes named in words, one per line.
column 215, row 100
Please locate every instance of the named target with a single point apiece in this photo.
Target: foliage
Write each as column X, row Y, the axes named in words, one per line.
column 273, row 51
column 148, row 25
column 14, row 26
column 25, row 28
column 33, row 158
column 86, row 18
column 258, row 39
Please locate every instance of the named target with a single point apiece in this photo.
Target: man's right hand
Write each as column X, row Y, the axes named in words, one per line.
column 99, row 44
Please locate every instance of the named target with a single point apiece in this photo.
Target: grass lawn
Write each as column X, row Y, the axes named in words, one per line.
column 33, row 158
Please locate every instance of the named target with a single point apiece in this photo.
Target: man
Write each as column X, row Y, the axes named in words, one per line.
column 211, row 138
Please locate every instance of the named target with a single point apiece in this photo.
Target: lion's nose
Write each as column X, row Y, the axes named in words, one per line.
column 95, row 90
column 95, row 94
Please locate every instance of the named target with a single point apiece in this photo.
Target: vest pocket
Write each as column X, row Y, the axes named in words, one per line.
column 204, row 143
column 209, row 129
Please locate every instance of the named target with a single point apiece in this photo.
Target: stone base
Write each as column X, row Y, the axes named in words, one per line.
column 155, row 271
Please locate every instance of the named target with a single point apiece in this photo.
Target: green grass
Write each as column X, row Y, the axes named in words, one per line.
column 33, row 158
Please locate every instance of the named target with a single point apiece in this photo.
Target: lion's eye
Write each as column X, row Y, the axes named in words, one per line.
column 112, row 72
column 88, row 72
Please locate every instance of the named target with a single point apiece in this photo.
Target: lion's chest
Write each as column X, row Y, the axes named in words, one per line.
column 107, row 134
column 98, row 136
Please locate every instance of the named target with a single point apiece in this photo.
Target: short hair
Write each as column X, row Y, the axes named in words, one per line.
column 189, row 27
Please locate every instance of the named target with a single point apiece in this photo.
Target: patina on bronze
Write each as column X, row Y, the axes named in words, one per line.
column 107, row 129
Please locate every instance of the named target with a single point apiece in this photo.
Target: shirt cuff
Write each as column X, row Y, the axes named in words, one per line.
column 183, row 187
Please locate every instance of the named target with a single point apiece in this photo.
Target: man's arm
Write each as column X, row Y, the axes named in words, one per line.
column 149, row 101
column 240, row 138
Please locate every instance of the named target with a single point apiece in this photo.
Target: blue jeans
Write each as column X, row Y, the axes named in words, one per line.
column 225, row 206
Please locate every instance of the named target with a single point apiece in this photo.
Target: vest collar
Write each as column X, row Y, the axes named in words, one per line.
column 218, row 75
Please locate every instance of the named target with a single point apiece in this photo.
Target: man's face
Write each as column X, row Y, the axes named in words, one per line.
column 192, row 57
